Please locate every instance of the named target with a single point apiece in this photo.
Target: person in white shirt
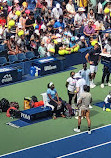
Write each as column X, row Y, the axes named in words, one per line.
column 70, row 84
column 100, row 8
column 56, row 12
column 70, row 9
column 80, row 17
column 79, row 84
column 49, row 3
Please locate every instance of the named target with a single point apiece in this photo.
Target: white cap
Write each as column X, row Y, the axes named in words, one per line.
column 82, row 37
column 81, row 9
column 37, row 32
column 77, row 75
column 50, row 84
column 57, row 5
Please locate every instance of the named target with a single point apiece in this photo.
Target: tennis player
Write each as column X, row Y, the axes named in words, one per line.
column 84, row 101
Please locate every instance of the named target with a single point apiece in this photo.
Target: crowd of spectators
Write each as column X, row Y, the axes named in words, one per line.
column 47, row 26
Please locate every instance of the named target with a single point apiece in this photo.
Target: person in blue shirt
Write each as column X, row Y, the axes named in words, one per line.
column 55, row 100
column 59, row 24
column 31, row 4
column 72, row 42
column 86, row 73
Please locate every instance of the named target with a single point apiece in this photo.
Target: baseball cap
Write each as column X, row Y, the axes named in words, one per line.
column 57, row 5
column 82, row 37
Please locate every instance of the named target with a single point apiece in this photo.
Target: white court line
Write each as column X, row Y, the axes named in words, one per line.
column 73, row 153
column 53, row 141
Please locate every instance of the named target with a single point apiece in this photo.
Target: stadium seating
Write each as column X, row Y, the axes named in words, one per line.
column 12, row 59
column 3, row 61
column 30, row 55
column 21, row 57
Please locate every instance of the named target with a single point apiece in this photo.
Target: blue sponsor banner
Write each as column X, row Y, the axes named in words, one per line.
column 47, row 65
column 8, row 75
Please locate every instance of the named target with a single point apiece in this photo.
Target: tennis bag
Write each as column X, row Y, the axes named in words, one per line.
column 14, row 104
column 4, row 104
column 13, row 112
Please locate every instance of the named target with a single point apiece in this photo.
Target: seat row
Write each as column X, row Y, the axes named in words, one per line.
column 17, row 58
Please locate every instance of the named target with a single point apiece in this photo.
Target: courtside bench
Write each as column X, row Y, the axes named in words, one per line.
column 36, row 113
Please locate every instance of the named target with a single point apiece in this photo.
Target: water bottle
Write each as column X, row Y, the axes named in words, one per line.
column 32, row 70
column 103, row 107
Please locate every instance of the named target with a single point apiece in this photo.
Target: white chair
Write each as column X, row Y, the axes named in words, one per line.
column 44, row 96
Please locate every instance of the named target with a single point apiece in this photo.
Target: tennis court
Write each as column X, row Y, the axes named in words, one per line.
column 82, row 145
column 27, row 139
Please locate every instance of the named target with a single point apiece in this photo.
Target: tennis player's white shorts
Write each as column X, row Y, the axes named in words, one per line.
column 93, row 68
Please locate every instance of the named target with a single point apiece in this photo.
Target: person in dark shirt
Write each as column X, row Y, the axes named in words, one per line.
column 29, row 25
column 93, row 57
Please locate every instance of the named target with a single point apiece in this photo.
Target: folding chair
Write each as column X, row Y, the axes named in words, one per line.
column 44, row 96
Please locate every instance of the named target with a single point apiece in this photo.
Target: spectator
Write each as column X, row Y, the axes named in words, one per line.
column 91, row 15
column 89, row 30
column 22, row 20
column 12, row 46
column 42, row 50
column 59, row 25
column 82, row 43
column 70, row 9
column 56, row 12
column 80, row 18
column 21, row 44
column 55, row 100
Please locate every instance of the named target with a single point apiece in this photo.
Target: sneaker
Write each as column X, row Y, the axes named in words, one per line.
column 92, row 85
column 76, row 130
column 89, row 132
column 109, row 84
column 102, row 85
column 90, row 107
column 76, row 117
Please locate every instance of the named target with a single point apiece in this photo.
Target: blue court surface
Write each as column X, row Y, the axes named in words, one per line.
column 82, row 145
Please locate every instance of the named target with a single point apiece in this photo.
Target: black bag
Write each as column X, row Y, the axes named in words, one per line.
column 4, row 104
column 14, row 104
column 15, row 113
column 109, row 100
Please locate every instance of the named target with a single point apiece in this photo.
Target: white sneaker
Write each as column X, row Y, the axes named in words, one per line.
column 76, row 130
column 92, row 85
column 102, row 85
column 90, row 107
column 109, row 84
column 89, row 132
column 76, row 117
